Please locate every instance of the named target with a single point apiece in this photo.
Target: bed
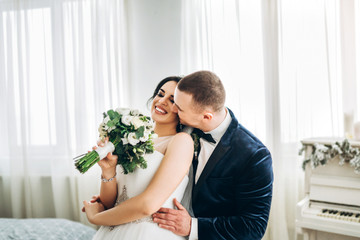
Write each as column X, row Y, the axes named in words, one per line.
column 44, row 228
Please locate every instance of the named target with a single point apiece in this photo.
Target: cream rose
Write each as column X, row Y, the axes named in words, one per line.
column 126, row 120
column 132, row 139
column 137, row 122
column 123, row 111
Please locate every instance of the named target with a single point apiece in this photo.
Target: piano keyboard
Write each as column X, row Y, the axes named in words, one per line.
column 333, row 211
column 340, row 215
column 328, row 217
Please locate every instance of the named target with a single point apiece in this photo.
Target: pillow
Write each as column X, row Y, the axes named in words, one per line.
column 44, row 228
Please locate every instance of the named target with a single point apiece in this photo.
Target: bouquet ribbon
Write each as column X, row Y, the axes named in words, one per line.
column 103, row 151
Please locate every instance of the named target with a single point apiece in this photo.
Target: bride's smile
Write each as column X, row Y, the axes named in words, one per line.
column 160, row 110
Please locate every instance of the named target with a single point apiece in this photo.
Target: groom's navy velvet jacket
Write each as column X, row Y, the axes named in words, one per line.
column 232, row 196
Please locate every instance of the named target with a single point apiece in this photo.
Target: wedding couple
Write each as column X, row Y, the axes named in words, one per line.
column 227, row 193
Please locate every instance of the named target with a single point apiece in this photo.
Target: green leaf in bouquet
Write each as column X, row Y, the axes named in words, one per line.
column 135, row 158
column 110, row 123
column 112, row 114
column 140, row 132
column 119, row 150
column 149, row 148
column 143, row 163
column 132, row 166
column 144, row 118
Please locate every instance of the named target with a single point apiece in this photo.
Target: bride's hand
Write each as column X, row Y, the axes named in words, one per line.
column 95, row 198
column 108, row 164
column 92, row 209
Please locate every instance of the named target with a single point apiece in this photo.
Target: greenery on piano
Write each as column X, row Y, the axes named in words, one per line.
column 321, row 154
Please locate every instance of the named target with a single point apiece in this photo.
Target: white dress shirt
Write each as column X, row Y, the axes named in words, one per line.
column 206, row 149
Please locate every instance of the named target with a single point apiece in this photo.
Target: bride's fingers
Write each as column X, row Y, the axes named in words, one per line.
column 95, row 198
column 94, row 147
column 111, row 157
column 102, row 142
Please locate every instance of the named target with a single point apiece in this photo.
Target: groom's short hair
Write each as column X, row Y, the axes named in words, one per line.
column 206, row 90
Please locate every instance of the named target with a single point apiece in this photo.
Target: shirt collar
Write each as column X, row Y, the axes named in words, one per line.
column 218, row 132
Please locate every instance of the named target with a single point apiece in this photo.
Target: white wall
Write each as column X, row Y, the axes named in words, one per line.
column 154, row 45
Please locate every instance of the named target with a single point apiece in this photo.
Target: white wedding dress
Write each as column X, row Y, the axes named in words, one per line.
column 133, row 184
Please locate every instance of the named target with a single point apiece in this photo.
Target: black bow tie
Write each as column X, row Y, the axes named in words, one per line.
column 206, row 136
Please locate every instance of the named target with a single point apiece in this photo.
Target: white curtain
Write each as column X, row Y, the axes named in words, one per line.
column 357, row 58
column 279, row 61
column 62, row 63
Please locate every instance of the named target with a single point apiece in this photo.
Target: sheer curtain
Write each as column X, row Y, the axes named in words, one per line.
column 61, row 64
column 357, row 56
column 279, row 61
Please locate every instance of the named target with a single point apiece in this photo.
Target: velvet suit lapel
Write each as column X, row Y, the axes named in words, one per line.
column 215, row 157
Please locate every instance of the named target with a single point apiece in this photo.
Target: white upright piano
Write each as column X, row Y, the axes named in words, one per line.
column 331, row 208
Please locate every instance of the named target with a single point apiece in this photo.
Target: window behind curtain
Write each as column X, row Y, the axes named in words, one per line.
column 62, row 68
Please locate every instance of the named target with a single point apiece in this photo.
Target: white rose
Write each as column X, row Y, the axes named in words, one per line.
column 126, row 120
column 132, row 139
column 137, row 122
column 124, row 141
column 123, row 111
column 135, row 112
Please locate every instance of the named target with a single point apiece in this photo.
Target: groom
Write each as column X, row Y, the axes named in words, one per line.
column 233, row 176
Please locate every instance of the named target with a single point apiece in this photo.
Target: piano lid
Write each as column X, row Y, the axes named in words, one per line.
column 328, row 141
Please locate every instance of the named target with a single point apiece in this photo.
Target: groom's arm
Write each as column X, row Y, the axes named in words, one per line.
column 252, row 199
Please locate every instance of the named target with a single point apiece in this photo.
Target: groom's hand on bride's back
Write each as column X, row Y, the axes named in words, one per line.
column 176, row 220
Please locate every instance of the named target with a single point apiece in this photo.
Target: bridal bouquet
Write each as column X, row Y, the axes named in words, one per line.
column 130, row 138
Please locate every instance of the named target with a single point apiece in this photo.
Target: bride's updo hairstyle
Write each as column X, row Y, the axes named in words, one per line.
column 160, row 84
column 206, row 90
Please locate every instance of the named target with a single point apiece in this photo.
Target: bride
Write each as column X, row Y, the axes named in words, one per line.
column 126, row 202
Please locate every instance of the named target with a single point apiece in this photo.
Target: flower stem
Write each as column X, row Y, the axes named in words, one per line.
column 84, row 163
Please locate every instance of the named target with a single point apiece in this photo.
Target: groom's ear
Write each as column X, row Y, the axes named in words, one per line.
column 208, row 116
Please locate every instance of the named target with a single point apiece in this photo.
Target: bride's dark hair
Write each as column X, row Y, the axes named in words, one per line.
column 160, row 84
